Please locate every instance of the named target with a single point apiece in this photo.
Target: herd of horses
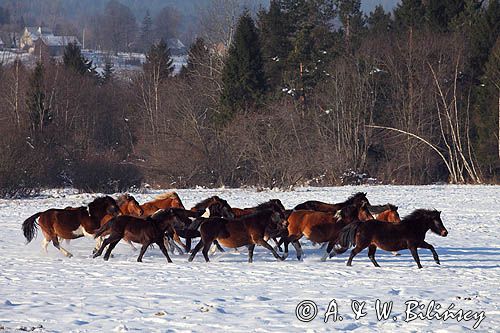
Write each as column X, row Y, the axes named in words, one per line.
column 164, row 221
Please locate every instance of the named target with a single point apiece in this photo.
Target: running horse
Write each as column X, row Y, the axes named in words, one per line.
column 69, row 223
column 321, row 227
column 356, row 199
column 409, row 234
column 267, row 220
column 387, row 213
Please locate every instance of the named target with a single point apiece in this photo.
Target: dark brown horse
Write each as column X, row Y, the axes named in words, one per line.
column 246, row 230
column 69, row 223
column 357, row 200
column 320, row 227
column 212, row 207
column 409, row 234
column 140, row 231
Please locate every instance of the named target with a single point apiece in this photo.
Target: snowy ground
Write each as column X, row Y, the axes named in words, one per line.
column 51, row 293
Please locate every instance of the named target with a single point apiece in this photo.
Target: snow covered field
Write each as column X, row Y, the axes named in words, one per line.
column 51, row 293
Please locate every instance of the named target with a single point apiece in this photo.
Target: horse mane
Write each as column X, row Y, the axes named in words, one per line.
column 122, row 199
column 167, row 195
column 203, row 204
column 418, row 214
column 353, row 197
column 377, row 209
column 271, row 204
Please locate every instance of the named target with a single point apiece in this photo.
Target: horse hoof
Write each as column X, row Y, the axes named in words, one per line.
column 106, row 258
column 323, row 259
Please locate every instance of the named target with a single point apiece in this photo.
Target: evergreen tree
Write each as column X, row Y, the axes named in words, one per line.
column 351, row 17
column 274, row 30
column 108, row 71
column 146, row 35
column 486, row 114
column 39, row 113
column 158, row 61
column 441, row 13
column 379, row 21
column 198, row 56
column 409, row 14
column 74, row 60
column 243, row 76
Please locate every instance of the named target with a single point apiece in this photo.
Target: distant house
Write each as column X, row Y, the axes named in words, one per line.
column 177, row 48
column 31, row 34
column 40, row 40
column 53, row 45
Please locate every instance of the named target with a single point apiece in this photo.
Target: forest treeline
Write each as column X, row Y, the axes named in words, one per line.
column 306, row 93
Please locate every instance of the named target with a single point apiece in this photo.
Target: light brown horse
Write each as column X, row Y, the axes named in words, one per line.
column 162, row 201
column 409, row 234
column 320, row 227
column 69, row 223
column 387, row 213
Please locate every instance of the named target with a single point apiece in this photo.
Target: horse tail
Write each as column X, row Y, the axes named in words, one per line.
column 99, row 232
column 30, row 227
column 347, row 235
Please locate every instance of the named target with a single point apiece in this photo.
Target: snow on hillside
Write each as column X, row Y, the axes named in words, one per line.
column 51, row 293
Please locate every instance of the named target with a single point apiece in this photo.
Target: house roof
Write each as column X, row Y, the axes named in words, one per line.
column 1, row 41
column 37, row 32
column 51, row 40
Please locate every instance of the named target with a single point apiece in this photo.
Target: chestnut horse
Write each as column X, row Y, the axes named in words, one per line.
column 162, row 201
column 320, row 227
column 268, row 219
column 137, row 230
column 69, row 223
column 387, row 213
column 409, row 234
column 356, row 199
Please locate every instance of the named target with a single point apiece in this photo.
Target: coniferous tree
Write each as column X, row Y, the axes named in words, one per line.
column 274, row 29
column 487, row 113
column 108, row 71
column 441, row 13
column 379, row 21
column 198, row 55
column 146, row 35
column 159, row 61
column 410, row 14
column 74, row 60
column 39, row 112
column 243, row 77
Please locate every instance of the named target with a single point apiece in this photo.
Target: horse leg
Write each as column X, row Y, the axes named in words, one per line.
column 206, row 248
column 98, row 243
column 164, row 250
column 195, row 250
column 218, row 246
column 277, row 247
column 298, row 250
column 188, row 245
column 270, row 248
column 178, row 240
column 55, row 241
column 250, row 252
column 354, row 251
column 45, row 243
column 371, row 254
column 143, row 250
column 286, row 242
column 426, row 245
column 131, row 245
column 328, row 251
column 111, row 246
column 414, row 253
column 103, row 246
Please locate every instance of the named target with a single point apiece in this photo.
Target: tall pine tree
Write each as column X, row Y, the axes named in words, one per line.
column 74, row 60
column 243, row 78
column 146, row 35
column 159, row 61
column 274, row 29
column 379, row 22
column 38, row 110
column 409, row 14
